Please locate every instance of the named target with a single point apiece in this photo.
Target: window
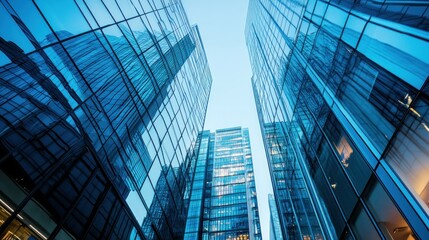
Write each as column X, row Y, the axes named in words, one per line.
column 409, row 154
column 362, row 226
column 388, row 218
column 64, row 16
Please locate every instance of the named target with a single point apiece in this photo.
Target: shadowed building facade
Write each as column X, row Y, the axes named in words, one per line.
column 223, row 203
column 341, row 89
column 100, row 107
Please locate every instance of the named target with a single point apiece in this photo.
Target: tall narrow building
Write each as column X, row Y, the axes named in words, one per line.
column 342, row 93
column 101, row 103
column 223, row 202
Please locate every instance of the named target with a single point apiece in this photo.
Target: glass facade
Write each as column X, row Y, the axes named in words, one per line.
column 101, row 103
column 341, row 89
column 275, row 228
column 223, row 202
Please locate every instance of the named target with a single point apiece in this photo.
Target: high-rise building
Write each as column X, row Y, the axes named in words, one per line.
column 223, row 202
column 275, row 228
column 342, row 93
column 101, row 103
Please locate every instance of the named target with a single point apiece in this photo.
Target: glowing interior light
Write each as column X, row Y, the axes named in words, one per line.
column 344, row 150
column 10, row 209
column 37, row 231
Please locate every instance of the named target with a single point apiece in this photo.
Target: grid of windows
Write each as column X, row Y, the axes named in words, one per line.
column 340, row 89
column 100, row 106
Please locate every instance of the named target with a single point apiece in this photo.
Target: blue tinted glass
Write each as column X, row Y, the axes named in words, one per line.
column 65, row 66
column 113, row 8
column 135, row 203
column 4, row 59
column 100, row 13
column 10, row 32
column 147, row 192
column 335, row 19
column 63, row 16
column 87, row 14
column 127, row 8
column 319, row 12
column 353, row 30
column 32, row 19
column 403, row 55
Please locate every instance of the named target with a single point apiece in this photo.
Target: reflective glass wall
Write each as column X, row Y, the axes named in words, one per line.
column 223, row 203
column 344, row 83
column 101, row 103
column 275, row 228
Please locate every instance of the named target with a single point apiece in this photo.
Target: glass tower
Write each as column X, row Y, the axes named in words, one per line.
column 101, row 103
column 223, row 202
column 342, row 94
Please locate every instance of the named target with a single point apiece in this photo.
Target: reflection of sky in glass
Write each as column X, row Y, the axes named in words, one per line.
column 136, row 206
column 403, row 55
column 28, row 13
column 3, row 59
column 12, row 32
column 147, row 192
column 100, row 13
column 353, row 28
column 72, row 19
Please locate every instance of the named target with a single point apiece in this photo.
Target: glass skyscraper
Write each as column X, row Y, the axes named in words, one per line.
column 101, row 103
column 223, row 202
column 342, row 93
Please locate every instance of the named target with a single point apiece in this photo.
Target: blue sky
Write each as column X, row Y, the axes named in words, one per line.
column 221, row 24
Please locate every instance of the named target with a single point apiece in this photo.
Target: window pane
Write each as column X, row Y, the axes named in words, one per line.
column 409, row 154
column 353, row 30
column 388, row 218
column 63, row 16
column 136, row 205
column 114, row 9
column 31, row 19
column 362, row 226
column 100, row 13
column 351, row 159
column 12, row 39
column 334, row 20
column 403, row 55
column 337, row 179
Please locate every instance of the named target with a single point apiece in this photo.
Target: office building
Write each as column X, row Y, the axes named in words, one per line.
column 100, row 107
column 275, row 228
column 294, row 201
column 223, row 202
column 341, row 89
